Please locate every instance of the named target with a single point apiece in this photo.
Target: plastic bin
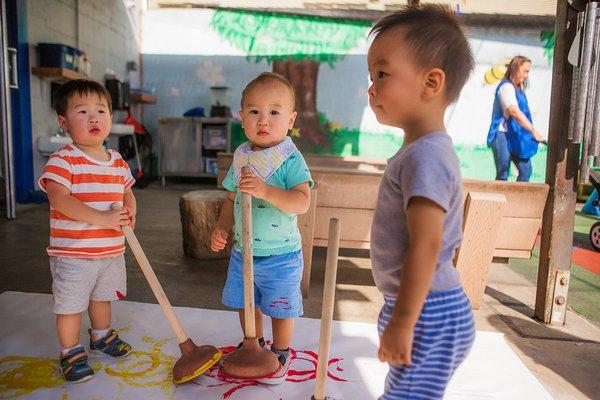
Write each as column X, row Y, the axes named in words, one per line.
column 57, row 55
column 215, row 137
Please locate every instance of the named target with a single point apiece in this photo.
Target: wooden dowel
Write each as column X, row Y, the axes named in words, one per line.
column 333, row 246
column 249, row 322
column 155, row 285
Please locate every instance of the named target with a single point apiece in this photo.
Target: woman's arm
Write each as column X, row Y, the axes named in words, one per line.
column 517, row 114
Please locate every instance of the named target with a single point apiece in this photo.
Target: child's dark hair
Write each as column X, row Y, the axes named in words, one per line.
column 269, row 77
column 81, row 86
column 434, row 35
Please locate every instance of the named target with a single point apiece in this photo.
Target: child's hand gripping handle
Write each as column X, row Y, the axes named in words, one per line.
column 157, row 289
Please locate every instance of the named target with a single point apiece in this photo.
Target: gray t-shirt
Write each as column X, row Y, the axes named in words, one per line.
column 427, row 167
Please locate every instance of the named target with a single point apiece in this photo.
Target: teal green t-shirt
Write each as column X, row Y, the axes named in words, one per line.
column 275, row 232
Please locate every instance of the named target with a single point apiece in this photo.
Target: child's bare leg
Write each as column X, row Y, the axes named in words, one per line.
column 283, row 329
column 68, row 326
column 100, row 316
column 258, row 321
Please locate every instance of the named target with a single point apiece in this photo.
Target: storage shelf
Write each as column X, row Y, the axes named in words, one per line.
column 57, row 74
column 146, row 98
column 183, row 150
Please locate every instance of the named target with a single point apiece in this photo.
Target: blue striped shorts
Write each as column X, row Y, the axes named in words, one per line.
column 443, row 336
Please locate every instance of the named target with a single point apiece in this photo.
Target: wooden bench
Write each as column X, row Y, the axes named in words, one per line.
column 224, row 160
column 496, row 230
column 501, row 220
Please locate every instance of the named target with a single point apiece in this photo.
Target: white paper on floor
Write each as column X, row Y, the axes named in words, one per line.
column 29, row 369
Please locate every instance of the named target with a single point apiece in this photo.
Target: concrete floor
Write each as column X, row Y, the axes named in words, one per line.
column 564, row 359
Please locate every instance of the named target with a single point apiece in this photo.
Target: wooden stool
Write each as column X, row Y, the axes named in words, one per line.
column 199, row 216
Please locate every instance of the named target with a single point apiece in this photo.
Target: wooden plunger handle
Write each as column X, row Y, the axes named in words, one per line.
column 249, row 322
column 333, row 245
column 157, row 289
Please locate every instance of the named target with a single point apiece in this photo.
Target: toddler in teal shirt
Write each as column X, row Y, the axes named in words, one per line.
column 272, row 170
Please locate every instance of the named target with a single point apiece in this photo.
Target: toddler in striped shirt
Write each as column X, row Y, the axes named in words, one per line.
column 419, row 61
column 82, row 180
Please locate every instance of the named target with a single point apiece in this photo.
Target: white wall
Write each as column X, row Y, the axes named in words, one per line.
column 104, row 29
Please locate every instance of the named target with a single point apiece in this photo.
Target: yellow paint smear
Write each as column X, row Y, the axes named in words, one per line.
column 20, row 376
column 146, row 369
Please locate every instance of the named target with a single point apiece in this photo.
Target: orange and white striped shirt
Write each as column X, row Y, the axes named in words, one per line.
column 97, row 184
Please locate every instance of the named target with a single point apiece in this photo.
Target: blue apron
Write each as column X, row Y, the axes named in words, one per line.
column 521, row 142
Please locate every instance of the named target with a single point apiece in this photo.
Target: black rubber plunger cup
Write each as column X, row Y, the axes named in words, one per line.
column 249, row 361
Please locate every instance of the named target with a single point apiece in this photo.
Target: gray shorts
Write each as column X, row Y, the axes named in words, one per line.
column 76, row 281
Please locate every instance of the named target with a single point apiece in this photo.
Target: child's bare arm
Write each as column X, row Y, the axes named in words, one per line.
column 130, row 204
column 425, row 222
column 295, row 200
column 218, row 239
column 61, row 200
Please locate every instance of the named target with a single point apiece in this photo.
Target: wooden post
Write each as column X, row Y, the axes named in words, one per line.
column 333, row 248
column 561, row 175
column 306, row 225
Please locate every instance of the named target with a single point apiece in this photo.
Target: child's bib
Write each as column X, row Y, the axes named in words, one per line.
column 263, row 163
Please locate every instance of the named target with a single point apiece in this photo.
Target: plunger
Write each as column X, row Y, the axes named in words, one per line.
column 333, row 245
column 249, row 361
column 195, row 360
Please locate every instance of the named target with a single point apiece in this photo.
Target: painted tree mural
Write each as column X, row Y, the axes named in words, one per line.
column 295, row 46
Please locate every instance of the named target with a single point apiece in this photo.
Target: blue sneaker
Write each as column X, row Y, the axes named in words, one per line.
column 110, row 345
column 74, row 366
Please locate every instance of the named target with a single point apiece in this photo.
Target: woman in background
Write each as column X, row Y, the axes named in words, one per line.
column 512, row 135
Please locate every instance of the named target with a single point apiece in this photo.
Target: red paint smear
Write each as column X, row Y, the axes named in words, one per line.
column 279, row 302
column 294, row 376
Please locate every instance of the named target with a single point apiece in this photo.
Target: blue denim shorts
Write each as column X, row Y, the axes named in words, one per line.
column 276, row 284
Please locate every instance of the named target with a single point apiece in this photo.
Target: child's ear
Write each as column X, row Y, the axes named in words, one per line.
column 433, row 83
column 62, row 122
column 241, row 114
column 292, row 119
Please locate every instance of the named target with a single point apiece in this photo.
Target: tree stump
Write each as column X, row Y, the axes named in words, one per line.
column 199, row 216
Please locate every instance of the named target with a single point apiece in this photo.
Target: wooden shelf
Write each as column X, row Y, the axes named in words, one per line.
column 57, row 74
column 137, row 97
